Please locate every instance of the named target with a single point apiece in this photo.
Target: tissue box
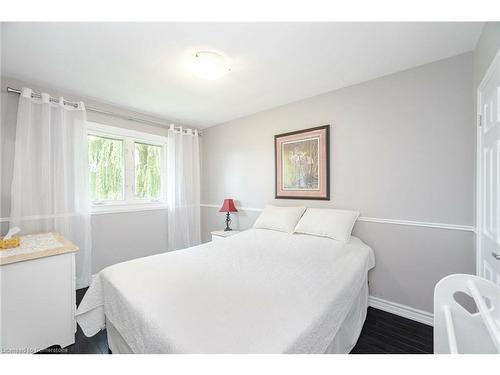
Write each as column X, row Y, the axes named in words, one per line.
column 11, row 242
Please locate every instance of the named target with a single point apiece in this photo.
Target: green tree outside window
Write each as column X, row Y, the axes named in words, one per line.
column 106, row 168
column 147, row 171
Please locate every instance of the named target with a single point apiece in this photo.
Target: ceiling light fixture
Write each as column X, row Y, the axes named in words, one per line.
column 210, row 65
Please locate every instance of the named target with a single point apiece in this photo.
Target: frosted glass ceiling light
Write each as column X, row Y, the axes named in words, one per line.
column 210, row 65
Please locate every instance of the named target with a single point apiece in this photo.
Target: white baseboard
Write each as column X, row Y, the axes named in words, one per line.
column 402, row 310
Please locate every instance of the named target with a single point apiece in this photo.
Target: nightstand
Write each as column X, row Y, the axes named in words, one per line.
column 221, row 234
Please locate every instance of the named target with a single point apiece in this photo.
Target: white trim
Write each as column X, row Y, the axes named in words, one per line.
column 107, row 210
column 425, row 224
column 113, row 131
column 401, row 310
column 104, row 210
column 239, row 208
column 479, row 186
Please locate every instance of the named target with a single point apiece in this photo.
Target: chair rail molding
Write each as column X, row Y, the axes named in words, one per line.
column 413, row 223
column 102, row 211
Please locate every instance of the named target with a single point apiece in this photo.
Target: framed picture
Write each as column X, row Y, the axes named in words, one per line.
column 302, row 162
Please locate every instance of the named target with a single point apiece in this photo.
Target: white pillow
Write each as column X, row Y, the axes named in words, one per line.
column 328, row 222
column 283, row 219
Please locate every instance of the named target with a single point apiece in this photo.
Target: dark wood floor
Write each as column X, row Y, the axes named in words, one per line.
column 383, row 333
column 386, row 333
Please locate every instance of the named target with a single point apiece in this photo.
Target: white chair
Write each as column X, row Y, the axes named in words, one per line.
column 466, row 315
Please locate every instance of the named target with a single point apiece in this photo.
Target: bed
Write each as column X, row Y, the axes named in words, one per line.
column 260, row 291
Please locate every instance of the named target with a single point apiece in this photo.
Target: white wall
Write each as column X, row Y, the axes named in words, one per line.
column 486, row 49
column 402, row 148
column 115, row 237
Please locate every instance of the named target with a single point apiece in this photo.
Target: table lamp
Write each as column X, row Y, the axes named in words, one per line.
column 228, row 206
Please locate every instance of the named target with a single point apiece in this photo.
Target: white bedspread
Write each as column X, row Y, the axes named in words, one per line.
column 260, row 291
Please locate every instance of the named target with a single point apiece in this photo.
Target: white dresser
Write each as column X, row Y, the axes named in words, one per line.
column 37, row 302
column 221, row 234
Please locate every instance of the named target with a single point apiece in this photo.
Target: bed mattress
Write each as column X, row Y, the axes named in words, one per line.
column 260, row 291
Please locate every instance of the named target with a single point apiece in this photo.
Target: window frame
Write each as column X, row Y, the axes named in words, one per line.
column 129, row 138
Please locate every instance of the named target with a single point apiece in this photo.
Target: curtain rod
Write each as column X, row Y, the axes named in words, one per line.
column 97, row 110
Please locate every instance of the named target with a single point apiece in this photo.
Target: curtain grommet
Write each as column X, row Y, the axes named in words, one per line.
column 26, row 92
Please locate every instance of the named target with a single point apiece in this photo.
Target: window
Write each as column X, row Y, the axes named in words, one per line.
column 147, row 171
column 126, row 168
column 106, row 168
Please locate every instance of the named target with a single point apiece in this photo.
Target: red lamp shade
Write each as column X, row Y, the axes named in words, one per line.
column 228, row 206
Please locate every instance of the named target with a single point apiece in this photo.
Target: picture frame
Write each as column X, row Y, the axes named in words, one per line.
column 302, row 164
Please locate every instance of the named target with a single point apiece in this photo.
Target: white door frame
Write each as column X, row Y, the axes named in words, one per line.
column 479, row 186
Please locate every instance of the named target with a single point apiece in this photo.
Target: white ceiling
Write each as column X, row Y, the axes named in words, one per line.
column 142, row 65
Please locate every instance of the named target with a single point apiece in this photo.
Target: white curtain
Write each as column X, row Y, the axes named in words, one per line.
column 50, row 189
column 183, row 188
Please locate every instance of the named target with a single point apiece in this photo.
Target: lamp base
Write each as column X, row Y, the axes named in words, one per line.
column 228, row 221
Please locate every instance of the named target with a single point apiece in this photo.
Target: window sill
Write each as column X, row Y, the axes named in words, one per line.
column 115, row 208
